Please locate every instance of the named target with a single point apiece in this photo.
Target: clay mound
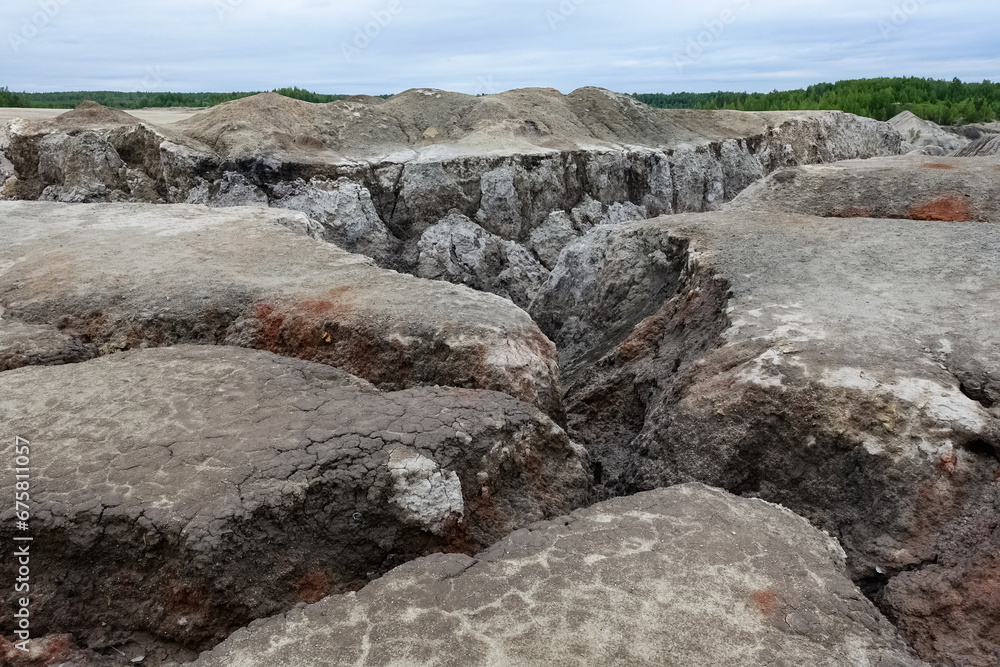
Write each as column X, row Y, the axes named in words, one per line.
column 438, row 123
column 913, row 187
column 919, row 134
column 988, row 145
column 203, row 487
column 118, row 277
column 682, row 576
column 365, row 99
column 264, row 123
column 91, row 115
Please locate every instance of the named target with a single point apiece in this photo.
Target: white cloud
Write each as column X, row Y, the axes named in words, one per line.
column 629, row 45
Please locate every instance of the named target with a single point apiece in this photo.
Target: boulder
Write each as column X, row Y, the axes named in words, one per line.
column 548, row 240
column 460, row 251
column 345, row 212
column 848, row 369
column 688, row 575
column 117, row 277
column 909, row 187
column 184, row 492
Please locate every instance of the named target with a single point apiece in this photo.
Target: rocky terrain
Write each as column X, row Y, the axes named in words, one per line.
column 909, row 187
column 209, row 486
column 608, row 585
column 386, row 177
column 320, row 370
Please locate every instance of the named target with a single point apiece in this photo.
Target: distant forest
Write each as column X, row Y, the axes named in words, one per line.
column 119, row 100
column 943, row 102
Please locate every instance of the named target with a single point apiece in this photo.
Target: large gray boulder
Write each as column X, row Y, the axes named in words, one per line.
column 848, row 369
column 96, row 279
column 909, row 187
column 460, row 251
column 688, row 575
column 184, row 492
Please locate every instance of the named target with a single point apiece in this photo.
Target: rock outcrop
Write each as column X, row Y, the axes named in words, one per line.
column 848, row 369
column 985, row 146
column 78, row 281
column 460, row 251
column 184, row 492
column 375, row 175
column 926, row 138
column 689, row 576
column 909, row 187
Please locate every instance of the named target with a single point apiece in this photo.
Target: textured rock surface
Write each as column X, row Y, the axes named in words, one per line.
column 376, row 174
column 460, row 251
column 987, row 145
column 95, row 279
column 688, row 576
column 184, row 492
column 926, row 137
column 848, row 369
column 910, row 187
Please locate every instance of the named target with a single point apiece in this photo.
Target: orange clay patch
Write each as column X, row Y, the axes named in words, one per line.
column 934, row 165
column 948, row 463
column 312, row 588
column 945, row 209
column 765, row 601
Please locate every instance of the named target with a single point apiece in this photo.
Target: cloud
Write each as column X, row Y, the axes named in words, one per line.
column 377, row 46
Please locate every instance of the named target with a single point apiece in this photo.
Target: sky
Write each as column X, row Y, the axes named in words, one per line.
column 470, row 46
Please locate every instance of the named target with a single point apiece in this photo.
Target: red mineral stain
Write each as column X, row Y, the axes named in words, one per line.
column 935, row 165
column 270, row 327
column 948, row 463
column 945, row 209
column 313, row 587
column 765, row 601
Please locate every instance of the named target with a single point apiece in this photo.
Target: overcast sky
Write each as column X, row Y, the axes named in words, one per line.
column 480, row 46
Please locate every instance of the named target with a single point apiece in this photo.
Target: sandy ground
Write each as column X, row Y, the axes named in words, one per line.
column 162, row 116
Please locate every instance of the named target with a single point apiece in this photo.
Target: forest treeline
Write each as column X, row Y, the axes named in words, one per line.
column 944, row 102
column 118, row 100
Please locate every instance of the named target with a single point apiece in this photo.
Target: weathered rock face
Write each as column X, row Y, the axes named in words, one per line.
column 81, row 280
column 376, row 175
column 848, row 369
column 909, row 187
column 987, row 145
column 672, row 576
column 460, row 251
column 927, row 138
column 184, row 492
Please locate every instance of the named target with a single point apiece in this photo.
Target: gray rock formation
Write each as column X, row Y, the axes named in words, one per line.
column 985, row 146
column 96, row 279
column 908, row 187
column 460, row 251
column 676, row 576
column 185, row 492
column 925, row 137
column 848, row 369
column 345, row 212
column 376, row 175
